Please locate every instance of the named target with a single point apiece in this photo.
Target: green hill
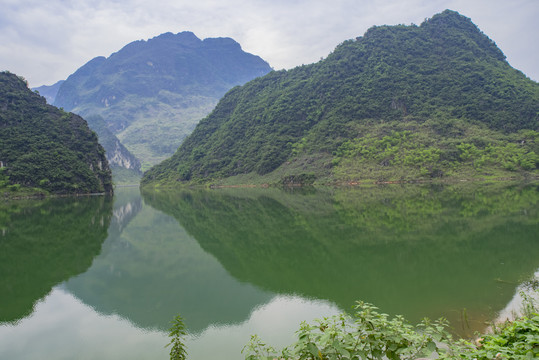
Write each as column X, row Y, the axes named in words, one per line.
column 152, row 93
column 44, row 147
column 126, row 168
column 399, row 103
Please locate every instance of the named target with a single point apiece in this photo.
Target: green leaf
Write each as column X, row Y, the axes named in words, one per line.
column 431, row 346
column 313, row 349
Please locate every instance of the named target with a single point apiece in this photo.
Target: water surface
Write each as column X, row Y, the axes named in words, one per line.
column 94, row 277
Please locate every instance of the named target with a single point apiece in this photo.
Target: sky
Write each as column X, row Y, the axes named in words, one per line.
column 46, row 41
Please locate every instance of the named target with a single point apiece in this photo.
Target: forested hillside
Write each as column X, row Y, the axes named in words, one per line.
column 126, row 168
column 44, row 147
column 437, row 100
column 152, row 93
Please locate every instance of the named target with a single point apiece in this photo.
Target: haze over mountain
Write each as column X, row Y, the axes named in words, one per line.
column 49, row 91
column 399, row 103
column 44, row 147
column 152, row 93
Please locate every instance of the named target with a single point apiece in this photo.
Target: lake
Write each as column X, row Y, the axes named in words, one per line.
column 102, row 278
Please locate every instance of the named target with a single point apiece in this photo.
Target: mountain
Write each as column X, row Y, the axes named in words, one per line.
column 152, row 93
column 399, row 103
column 44, row 147
column 49, row 91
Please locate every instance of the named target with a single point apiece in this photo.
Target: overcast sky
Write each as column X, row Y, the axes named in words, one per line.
column 47, row 40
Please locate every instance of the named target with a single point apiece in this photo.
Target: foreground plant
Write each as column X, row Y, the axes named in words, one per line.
column 515, row 340
column 369, row 335
column 177, row 334
column 366, row 335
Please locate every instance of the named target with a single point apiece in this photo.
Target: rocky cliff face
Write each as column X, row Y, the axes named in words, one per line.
column 117, row 154
column 118, row 157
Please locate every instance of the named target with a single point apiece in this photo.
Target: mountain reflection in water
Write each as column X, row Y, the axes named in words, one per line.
column 235, row 262
column 412, row 250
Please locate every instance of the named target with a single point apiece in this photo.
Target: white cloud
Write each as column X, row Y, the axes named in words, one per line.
column 47, row 41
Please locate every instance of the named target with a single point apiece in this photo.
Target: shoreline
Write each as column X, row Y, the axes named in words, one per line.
column 352, row 183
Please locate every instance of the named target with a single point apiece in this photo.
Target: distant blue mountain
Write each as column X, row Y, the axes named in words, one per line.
column 152, row 93
column 49, row 91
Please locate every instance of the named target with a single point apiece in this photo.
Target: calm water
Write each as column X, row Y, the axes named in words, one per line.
column 89, row 278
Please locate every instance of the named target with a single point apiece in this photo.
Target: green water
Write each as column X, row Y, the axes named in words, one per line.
column 96, row 277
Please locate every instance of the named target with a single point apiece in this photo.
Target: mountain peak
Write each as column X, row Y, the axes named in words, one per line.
column 451, row 26
column 223, row 42
column 184, row 38
column 449, row 17
column 449, row 20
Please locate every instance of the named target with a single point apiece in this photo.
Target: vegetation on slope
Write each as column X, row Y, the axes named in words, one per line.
column 443, row 85
column 44, row 147
column 126, row 168
column 152, row 93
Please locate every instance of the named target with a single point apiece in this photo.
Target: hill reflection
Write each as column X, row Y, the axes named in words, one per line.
column 150, row 270
column 43, row 243
column 412, row 250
